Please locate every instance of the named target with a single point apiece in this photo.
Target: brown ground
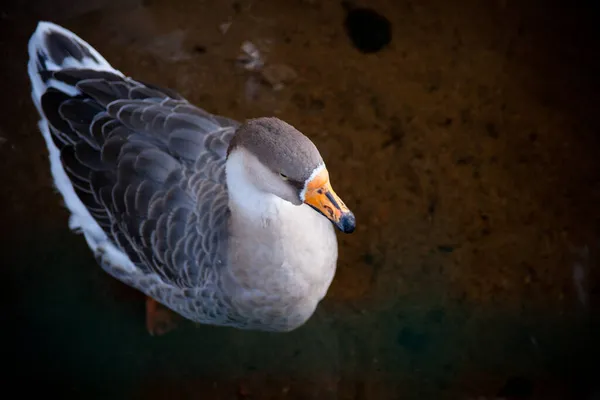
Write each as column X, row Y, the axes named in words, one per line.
column 467, row 150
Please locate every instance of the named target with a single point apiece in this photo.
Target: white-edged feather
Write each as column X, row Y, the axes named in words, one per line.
column 80, row 219
column 37, row 45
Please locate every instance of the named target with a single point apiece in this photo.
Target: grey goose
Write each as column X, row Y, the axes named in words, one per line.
column 224, row 223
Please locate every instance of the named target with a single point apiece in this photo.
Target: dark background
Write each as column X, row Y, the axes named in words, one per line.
column 467, row 148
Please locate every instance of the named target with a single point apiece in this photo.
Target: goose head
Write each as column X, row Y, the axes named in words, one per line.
column 278, row 160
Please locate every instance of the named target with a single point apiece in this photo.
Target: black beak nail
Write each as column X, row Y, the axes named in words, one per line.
column 347, row 222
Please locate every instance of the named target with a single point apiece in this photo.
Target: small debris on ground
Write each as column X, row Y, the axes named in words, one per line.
column 251, row 57
column 278, row 74
column 224, row 27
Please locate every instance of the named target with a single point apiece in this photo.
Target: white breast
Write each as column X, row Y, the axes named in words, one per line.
column 282, row 257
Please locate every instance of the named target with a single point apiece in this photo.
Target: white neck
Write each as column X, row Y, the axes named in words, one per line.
column 244, row 197
column 278, row 242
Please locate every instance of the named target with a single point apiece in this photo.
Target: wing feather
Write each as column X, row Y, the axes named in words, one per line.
column 149, row 167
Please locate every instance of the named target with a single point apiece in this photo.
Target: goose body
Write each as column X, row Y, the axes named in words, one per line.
column 224, row 223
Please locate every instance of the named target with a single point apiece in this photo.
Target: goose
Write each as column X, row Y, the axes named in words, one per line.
column 220, row 222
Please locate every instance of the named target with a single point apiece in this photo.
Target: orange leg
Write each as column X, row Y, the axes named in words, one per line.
column 159, row 319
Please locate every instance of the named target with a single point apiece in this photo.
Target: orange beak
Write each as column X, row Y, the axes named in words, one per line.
column 321, row 197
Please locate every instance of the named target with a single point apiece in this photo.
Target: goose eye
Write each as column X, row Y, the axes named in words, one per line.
column 283, row 176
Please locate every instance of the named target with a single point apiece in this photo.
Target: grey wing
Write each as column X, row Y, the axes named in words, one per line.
column 150, row 168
